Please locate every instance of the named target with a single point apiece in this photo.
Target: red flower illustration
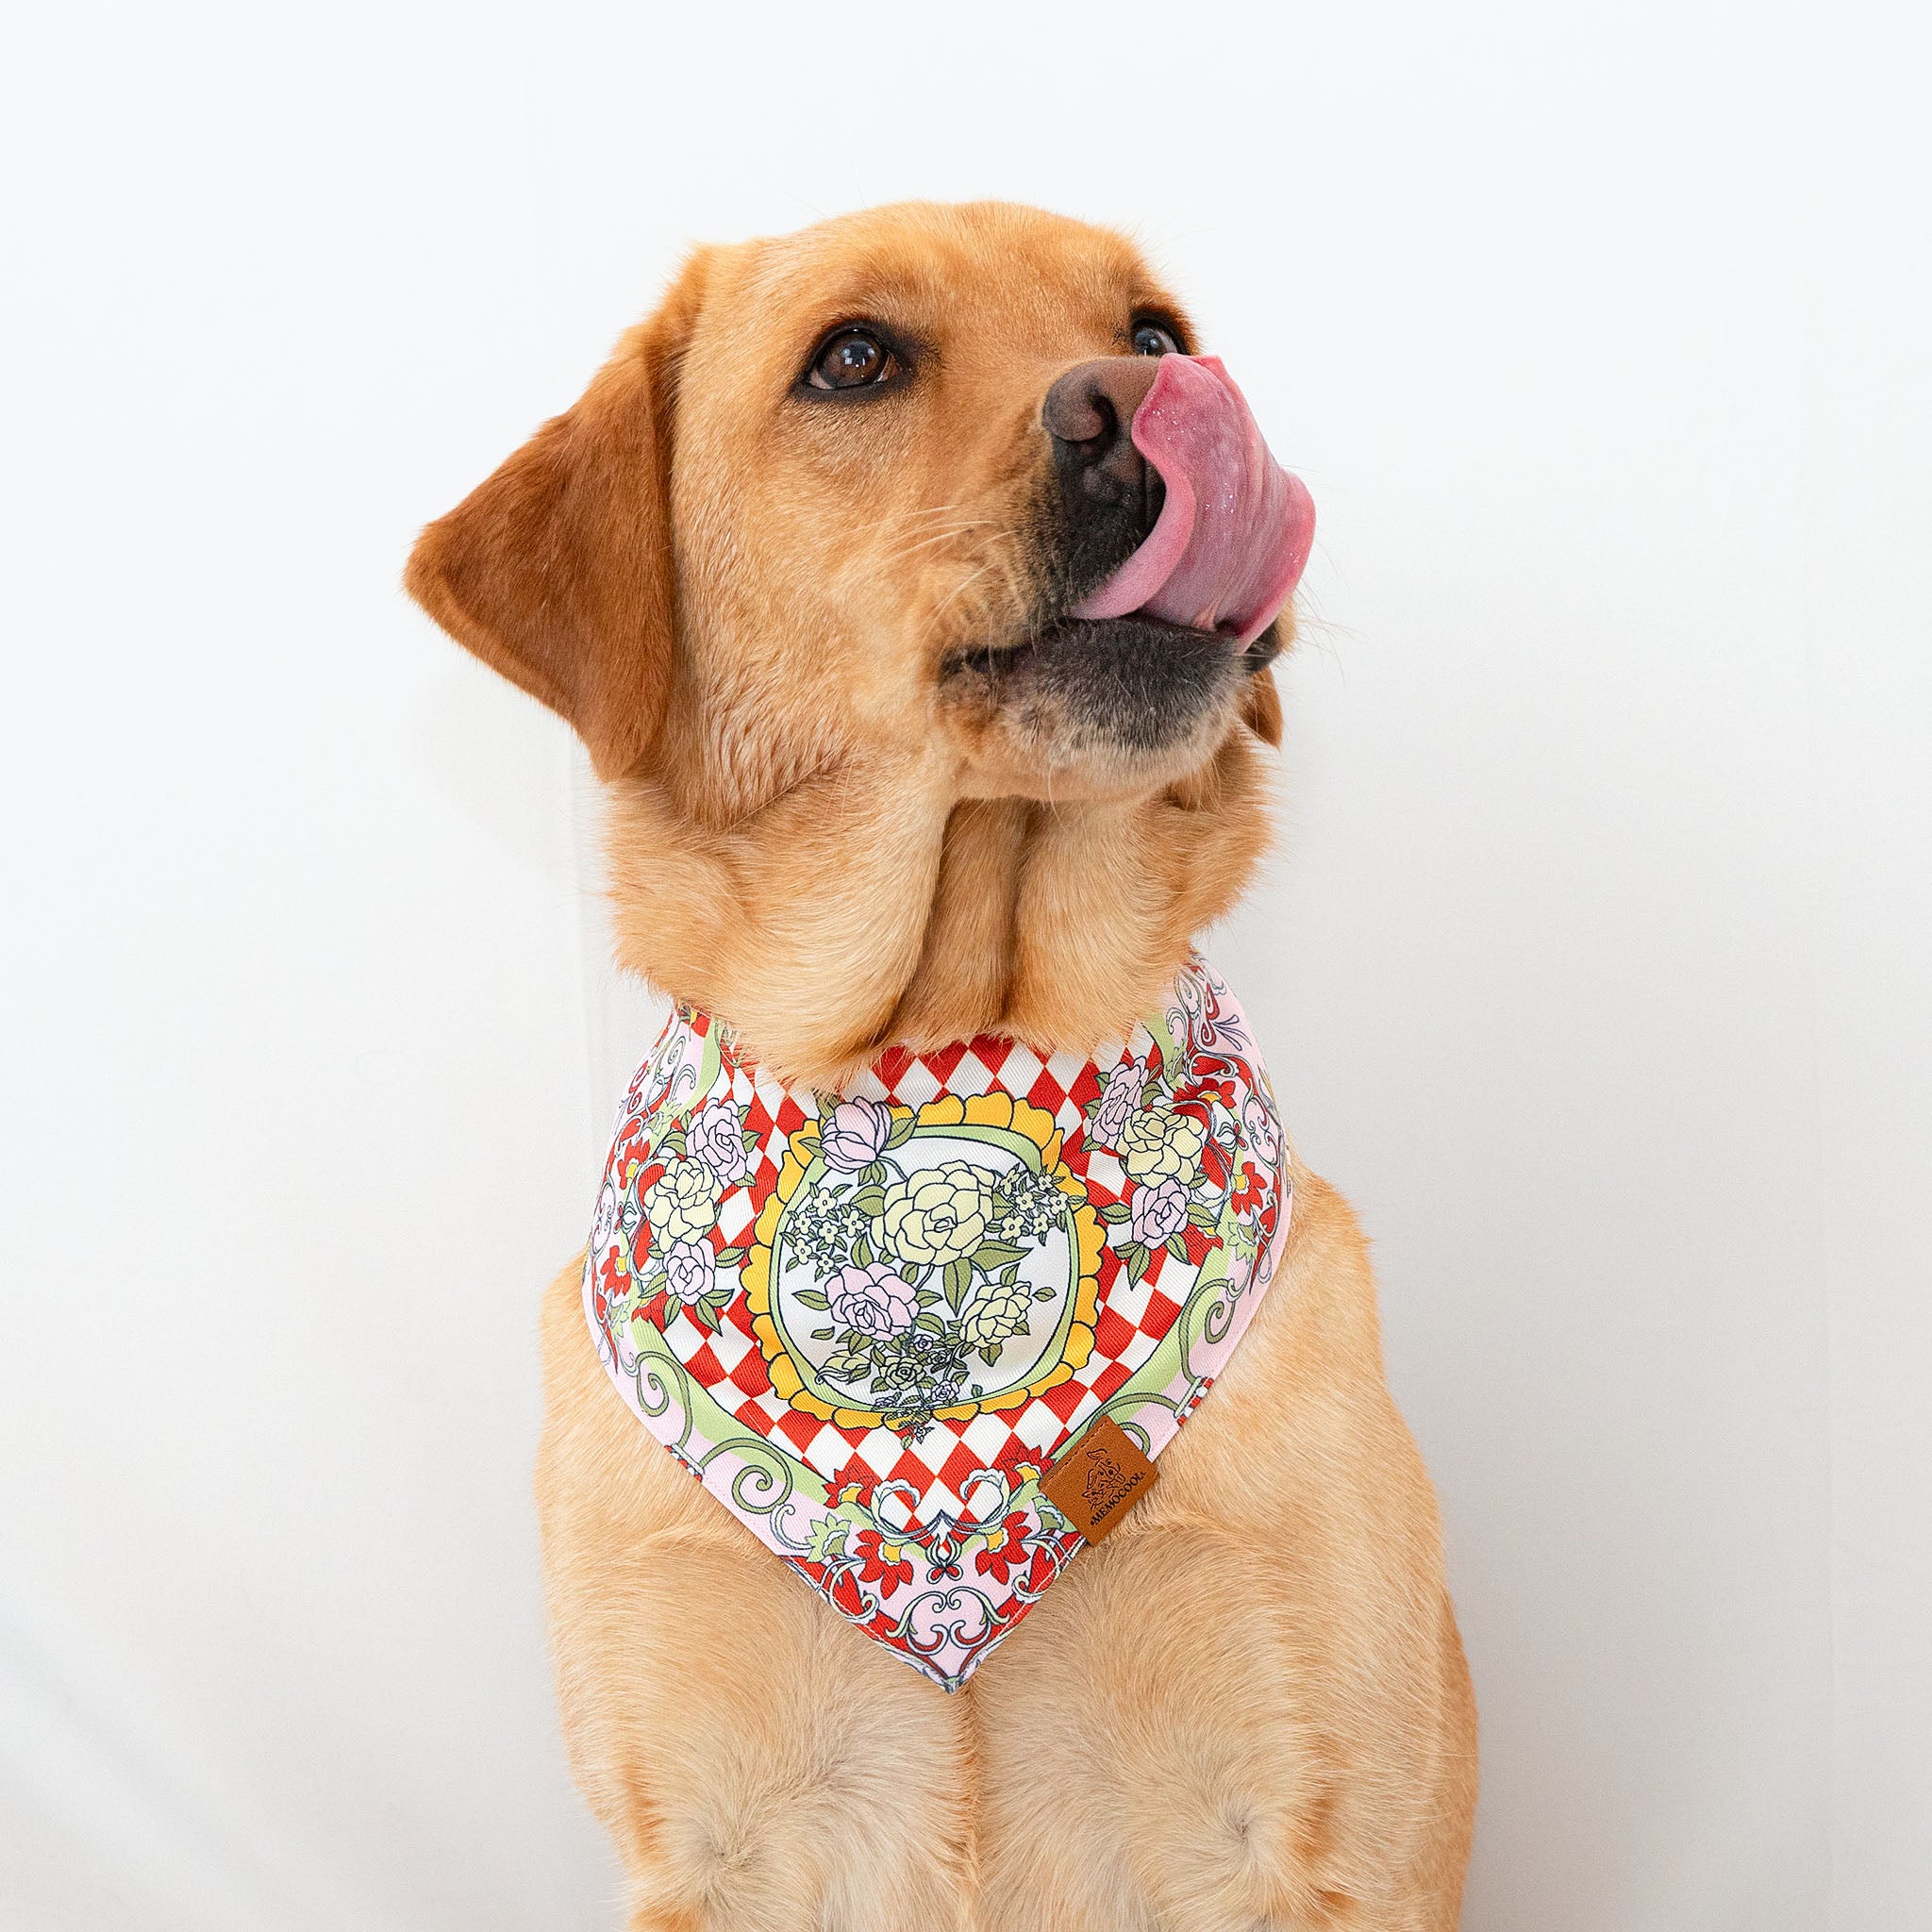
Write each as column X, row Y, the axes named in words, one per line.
column 612, row 1278
column 1004, row 1552
column 1249, row 1193
column 880, row 1561
column 1203, row 1091
column 855, row 1483
column 1214, row 1162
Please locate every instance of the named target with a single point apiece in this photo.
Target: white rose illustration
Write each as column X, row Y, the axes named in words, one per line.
column 938, row 1216
column 1161, row 1144
column 1001, row 1309
column 682, row 1203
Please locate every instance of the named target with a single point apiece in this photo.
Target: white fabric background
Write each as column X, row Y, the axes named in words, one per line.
column 1594, row 965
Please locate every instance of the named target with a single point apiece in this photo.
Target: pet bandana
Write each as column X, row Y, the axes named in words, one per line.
column 871, row 1322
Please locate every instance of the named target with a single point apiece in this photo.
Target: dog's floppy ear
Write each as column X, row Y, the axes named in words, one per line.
column 557, row 571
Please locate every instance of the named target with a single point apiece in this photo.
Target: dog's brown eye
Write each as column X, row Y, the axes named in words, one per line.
column 850, row 359
column 1150, row 339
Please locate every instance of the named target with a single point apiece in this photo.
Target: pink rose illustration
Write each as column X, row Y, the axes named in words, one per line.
column 1119, row 1098
column 1158, row 1212
column 875, row 1300
column 691, row 1270
column 716, row 1136
column 856, row 1134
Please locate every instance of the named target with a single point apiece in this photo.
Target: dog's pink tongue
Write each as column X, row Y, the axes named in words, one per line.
column 1233, row 536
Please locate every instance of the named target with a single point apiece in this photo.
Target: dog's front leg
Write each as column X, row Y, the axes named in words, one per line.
column 762, row 1766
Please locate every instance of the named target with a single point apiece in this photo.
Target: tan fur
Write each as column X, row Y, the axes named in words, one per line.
column 1249, row 1707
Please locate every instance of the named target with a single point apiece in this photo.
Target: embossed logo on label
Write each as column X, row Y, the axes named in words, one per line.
column 1099, row 1479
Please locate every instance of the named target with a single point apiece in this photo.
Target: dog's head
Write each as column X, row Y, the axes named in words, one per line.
column 916, row 485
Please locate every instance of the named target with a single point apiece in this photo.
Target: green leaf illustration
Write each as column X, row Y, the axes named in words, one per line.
column 825, row 1540
column 1177, row 1249
column 902, row 1130
column 870, row 1200
column 958, row 1279
column 1115, row 1212
column 821, row 1334
column 1138, row 1258
column 810, row 1298
column 991, row 1255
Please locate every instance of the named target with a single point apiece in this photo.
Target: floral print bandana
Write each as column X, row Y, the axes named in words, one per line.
column 868, row 1322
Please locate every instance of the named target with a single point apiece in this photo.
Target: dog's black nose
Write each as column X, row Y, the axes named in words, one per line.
column 1107, row 488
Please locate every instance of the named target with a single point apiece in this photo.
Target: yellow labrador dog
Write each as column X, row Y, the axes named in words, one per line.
column 818, row 569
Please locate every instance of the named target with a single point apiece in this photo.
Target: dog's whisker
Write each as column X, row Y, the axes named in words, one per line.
column 961, row 589
column 1009, row 581
column 936, row 510
column 930, row 540
column 936, row 540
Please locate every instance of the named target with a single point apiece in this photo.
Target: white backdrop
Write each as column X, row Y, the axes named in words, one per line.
column 1595, row 964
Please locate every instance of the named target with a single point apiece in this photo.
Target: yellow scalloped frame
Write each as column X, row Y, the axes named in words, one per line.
column 983, row 1111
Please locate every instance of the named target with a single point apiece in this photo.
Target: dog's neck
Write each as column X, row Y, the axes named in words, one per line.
column 869, row 906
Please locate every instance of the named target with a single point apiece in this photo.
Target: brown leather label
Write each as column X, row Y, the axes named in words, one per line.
column 1099, row 1479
